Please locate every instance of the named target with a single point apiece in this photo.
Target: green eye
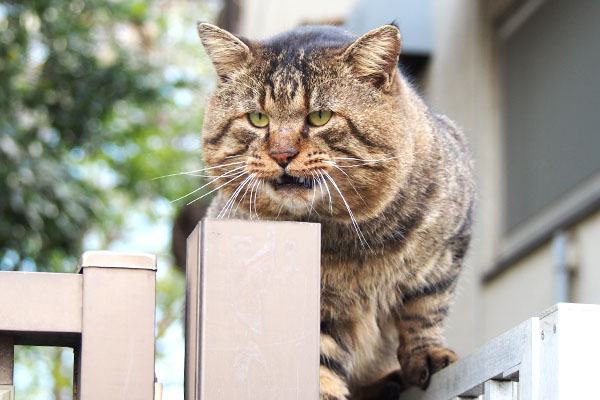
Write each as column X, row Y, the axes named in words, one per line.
column 258, row 120
column 319, row 118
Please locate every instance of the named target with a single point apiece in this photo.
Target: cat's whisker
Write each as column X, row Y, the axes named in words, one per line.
column 201, row 176
column 219, row 187
column 245, row 192
column 354, row 223
column 260, row 182
column 199, row 170
column 250, row 201
column 246, row 182
column 311, row 205
column 332, row 163
column 255, row 194
column 313, row 200
column 328, row 192
column 320, row 185
column 223, row 175
column 231, row 199
column 279, row 211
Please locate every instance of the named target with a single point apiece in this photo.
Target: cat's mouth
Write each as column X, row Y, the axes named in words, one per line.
column 286, row 181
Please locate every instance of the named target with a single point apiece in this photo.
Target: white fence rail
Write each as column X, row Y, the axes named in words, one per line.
column 553, row 357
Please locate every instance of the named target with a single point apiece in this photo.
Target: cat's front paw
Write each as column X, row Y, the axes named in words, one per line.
column 387, row 388
column 417, row 368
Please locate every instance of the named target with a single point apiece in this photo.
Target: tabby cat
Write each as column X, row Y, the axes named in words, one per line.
column 317, row 125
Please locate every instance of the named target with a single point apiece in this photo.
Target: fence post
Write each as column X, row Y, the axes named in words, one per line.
column 116, row 358
column 252, row 310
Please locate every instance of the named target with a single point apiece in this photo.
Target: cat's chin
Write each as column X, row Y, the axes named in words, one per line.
column 295, row 198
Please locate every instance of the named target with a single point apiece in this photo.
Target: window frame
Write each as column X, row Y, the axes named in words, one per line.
column 561, row 213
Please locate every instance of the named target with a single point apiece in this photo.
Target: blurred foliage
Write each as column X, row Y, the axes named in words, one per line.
column 97, row 98
column 83, row 124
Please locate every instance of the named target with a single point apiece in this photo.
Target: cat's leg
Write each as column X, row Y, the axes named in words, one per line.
column 335, row 360
column 387, row 388
column 422, row 349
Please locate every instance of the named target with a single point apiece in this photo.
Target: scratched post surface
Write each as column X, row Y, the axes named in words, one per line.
column 253, row 311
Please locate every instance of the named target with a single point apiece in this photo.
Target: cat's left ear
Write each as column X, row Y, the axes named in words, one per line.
column 374, row 56
column 227, row 52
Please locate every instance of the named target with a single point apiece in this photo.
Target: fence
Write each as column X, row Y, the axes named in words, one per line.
column 553, row 357
column 252, row 326
column 252, row 318
column 105, row 313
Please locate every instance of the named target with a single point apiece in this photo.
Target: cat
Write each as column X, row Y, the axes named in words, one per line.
column 318, row 125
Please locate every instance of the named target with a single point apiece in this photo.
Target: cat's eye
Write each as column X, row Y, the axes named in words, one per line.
column 319, row 118
column 257, row 119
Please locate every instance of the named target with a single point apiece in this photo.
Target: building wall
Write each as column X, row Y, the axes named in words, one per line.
column 260, row 19
column 463, row 80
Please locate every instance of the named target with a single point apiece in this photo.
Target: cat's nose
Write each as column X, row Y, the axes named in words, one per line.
column 283, row 156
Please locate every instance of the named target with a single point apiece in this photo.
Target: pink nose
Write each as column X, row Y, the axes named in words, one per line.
column 283, row 157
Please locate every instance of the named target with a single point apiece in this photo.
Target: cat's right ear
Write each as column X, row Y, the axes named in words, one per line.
column 374, row 56
column 227, row 52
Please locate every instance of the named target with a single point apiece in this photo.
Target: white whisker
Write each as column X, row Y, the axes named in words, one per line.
column 250, row 201
column 328, row 192
column 354, row 223
column 279, row 212
column 245, row 192
column 217, row 188
column 231, row 199
column 255, row 195
column 223, row 175
column 199, row 170
column 246, row 182
column 313, row 200
column 320, row 185
column 347, row 177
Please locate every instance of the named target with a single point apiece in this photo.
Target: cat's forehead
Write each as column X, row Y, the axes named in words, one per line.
column 300, row 51
column 292, row 62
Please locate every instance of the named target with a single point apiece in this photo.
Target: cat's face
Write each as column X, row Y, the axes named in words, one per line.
column 305, row 124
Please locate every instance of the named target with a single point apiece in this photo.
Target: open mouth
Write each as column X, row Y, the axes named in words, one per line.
column 286, row 181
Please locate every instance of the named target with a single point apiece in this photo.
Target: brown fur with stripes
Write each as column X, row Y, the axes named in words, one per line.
column 385, row 296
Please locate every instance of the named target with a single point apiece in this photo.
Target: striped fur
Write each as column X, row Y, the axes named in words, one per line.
column 403, row 171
